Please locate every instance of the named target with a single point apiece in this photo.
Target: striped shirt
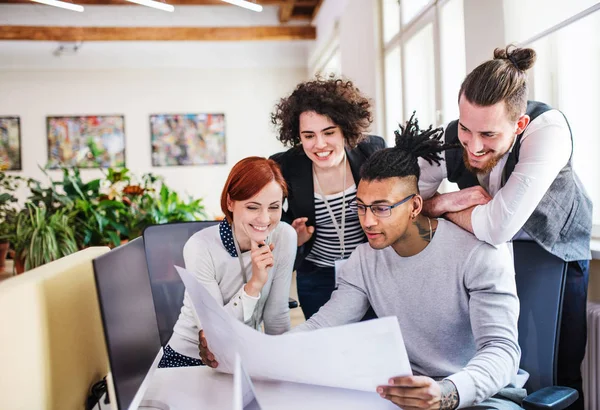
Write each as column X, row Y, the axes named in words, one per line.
column 327, row 248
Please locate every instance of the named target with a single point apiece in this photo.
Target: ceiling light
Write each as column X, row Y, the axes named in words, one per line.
column 61, row 4
column 155, row 4
column 245, row 4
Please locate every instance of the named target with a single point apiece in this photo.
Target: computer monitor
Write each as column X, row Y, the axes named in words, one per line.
column 129, row 319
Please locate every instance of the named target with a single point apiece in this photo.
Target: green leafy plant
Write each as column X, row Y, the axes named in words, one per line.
column 103, row 211
column 8, row 204
column 169, row 207
column 40, row 237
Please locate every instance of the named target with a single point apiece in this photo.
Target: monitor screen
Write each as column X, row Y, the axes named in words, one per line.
column 129, row 318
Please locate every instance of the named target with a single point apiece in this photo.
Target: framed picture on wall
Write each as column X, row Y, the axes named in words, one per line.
column 92, row 141
column 187, row 139
column 10, row 144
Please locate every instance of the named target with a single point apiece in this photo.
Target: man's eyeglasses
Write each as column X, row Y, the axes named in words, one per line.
column 379, row 210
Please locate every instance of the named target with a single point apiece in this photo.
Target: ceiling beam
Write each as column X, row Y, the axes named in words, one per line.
column 316, row 9
column 251, row 33
column 285, row 11
column 173, row 2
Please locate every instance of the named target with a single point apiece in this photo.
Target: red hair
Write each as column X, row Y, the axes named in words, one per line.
column 247, row 178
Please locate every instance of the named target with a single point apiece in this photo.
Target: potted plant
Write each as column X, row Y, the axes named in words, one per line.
column 8, row 211
column 40, row 237
column 169, row 207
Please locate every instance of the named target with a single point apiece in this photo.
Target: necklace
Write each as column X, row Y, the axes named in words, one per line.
column 430, row 231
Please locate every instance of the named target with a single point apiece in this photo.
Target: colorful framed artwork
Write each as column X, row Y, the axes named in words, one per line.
column 10, row 144
column 187, row 139
column 92, row 141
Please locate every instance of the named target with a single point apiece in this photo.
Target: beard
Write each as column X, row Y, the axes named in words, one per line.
column 487, row 167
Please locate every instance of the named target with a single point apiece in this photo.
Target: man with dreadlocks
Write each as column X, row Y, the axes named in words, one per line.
column 454, row 296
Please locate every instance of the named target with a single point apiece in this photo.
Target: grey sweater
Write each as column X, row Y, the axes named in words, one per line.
column 455, row 301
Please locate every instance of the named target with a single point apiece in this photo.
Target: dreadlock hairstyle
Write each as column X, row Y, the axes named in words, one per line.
column 402, row 160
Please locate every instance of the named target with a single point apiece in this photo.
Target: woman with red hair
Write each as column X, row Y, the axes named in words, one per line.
column 245, row 262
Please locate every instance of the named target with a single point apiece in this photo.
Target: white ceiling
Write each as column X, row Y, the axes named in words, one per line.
column 34, row 55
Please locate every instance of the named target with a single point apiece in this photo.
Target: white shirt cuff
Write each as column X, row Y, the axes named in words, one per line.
column 465, row 387
column 478, row 223
column 248, row 304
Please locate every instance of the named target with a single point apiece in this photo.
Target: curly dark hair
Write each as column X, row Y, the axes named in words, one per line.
column 335, row 98
column 402, row 160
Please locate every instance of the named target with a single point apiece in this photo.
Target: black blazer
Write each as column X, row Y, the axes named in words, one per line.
column 296, row 168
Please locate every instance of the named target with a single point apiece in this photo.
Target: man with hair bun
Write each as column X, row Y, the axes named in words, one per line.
column 513, row 165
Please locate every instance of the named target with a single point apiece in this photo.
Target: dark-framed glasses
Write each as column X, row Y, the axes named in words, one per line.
column 379, row 210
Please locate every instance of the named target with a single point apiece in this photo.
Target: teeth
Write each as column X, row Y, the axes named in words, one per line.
column 260, row 228
column 480, row 155
column 323, row 154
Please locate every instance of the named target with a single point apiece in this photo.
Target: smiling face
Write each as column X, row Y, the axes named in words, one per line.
column 486, row 133
column 255, row 218
column 322, row 140
column 384, row 232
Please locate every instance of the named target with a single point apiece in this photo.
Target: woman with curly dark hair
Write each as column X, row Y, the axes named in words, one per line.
column 324, row 121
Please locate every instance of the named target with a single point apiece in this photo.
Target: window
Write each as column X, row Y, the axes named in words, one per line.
column 411, row 8
column 424, row 60
column 419, row 69
column 453, row 56
column 393, row 93
column 391, row 19
column 565, row 76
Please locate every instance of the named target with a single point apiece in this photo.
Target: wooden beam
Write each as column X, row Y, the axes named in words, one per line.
column 173, row 2
column 250, row 33
column 316, row 9
column 285, row 11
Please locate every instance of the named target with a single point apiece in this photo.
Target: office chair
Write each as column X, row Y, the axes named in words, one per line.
column 540, row 278
column 164, row 249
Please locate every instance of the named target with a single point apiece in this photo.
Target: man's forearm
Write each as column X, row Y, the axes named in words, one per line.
column 431, row 206
column 461, row 218
column 449, row 395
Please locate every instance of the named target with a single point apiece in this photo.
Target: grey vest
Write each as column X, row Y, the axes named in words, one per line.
column 562, row 221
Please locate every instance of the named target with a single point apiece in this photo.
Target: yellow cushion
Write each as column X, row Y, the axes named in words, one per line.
column 51, row 339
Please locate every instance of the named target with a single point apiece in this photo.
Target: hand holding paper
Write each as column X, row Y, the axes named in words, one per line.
column 358, row 356
column 205, row 354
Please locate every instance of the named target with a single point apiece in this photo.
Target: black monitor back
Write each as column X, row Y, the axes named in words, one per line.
column 128, row 316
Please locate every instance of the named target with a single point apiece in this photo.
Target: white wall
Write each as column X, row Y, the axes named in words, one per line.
column 246, row 96
column 360, row 50
column 361, row 53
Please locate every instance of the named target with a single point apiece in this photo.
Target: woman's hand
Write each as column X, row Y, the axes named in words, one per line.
column 205, row 354
column 304, row 232
column 262, row 260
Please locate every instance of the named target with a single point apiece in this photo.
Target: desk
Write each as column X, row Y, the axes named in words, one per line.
column 203, row 388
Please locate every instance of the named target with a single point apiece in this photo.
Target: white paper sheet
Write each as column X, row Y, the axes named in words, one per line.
column 244, row 396
column 358, row 356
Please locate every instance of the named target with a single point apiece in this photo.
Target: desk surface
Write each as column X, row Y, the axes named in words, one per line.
column 203, row 388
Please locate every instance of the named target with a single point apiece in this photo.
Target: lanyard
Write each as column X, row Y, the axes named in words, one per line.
column 339, row 230
column 239, row 254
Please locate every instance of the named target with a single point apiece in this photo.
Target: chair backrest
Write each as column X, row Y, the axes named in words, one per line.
column 164, row 249
column 51, row 341
column 540, row 278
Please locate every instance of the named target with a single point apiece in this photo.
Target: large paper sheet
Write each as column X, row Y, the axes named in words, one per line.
column 244, row 396
column 358, row 356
